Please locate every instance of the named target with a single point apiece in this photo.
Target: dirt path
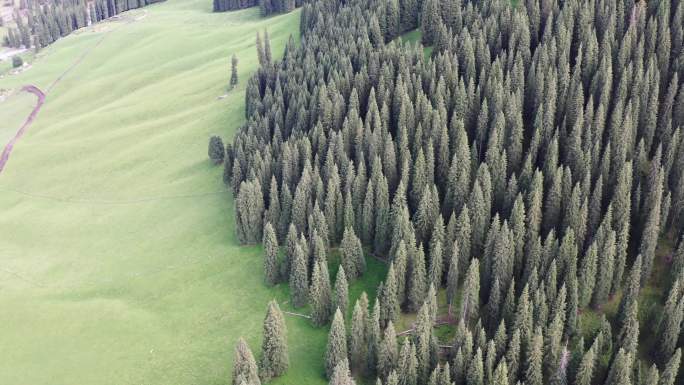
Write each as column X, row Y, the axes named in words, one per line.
column 41, row 95
column 8, row 148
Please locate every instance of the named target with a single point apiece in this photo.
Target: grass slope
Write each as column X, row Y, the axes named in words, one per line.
column 118, row 259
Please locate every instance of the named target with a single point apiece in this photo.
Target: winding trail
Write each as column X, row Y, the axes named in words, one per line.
column 8, row 148
column 41, row 95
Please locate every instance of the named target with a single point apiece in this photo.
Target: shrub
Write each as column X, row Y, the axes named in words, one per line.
column 17, row 61
column 216, row 150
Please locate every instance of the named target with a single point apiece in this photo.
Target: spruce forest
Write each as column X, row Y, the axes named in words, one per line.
column 523, row 181
column 40, row 23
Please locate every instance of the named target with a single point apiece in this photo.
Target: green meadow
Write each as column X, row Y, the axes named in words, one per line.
column 118, row 258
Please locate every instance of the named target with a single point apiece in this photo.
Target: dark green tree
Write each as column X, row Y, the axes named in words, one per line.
column 216, row 150
column 233, row 71
column 320, row 295
column 353, row 260
column 336, row 350
column 389, row 298
column 470, row 303
column 388, row 353
column 358, row 343
column 249, row 212
column 671, row 368
column 274, row 353
column 341, row 300
column 533, row 363
column 299, row 283
column 271, row 269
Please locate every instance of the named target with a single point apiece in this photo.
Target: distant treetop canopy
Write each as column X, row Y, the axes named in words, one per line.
column 267, row 6
column 39, row 24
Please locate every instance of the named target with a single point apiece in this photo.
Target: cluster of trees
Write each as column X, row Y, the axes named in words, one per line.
column 274, row 360
column 528, row 168
column 39, row 24
column 278, row 6
column 267, row 6
column 229, row 5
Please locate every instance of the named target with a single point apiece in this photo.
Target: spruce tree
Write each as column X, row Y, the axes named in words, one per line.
column 436, row 265
column 587, row 275
column 249, row 210
column 417, row 280
column 389, row 297
column 604, row 277
column 274, row 209
column 452, row 275
column 341, row 300
column 260, row 50
column 500, row 374
column 620, row 369
column 358, row 343
column 422, row 335
column 533, row 364
column 430, row 21
column 270, row 242
column 512, row 355
column 244, row 365
column 475, row 373
column 388, row 353
column 233, row 71
column 336, row 350
column 299, row 286
column 408, row 364
column 671, row 368
column 341, row 374
column 585, row 371
column 671, row 325
column 320, row 295
column 373, row 338
column 470, row 308
column 353, row 259
column 268, row 56
column 274, row 353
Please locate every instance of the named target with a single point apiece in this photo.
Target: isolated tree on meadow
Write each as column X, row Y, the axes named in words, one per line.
column 233, row 71
column 216, row 150
column 17, row 61
column 274, row 353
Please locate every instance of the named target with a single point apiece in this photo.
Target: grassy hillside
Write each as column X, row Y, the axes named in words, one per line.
column 118, row 259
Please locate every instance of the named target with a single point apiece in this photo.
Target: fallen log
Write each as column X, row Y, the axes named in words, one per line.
column 297, row 314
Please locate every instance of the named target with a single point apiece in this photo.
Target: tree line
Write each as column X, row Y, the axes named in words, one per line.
column 267, row 7
column 528, row 168
column 40, row 24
